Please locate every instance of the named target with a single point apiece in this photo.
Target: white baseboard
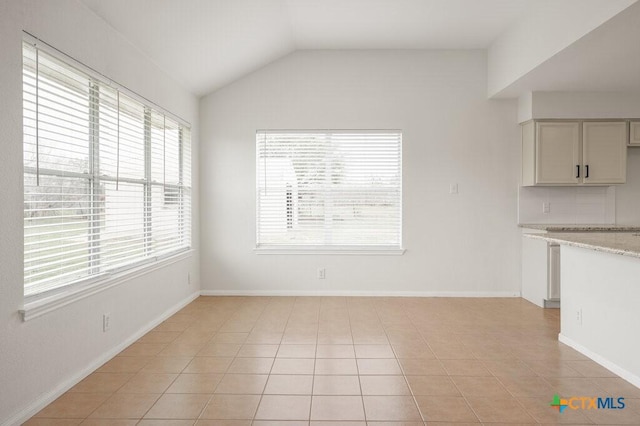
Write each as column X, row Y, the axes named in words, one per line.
column 360, row 293
column 48, row 397
column 615, row 368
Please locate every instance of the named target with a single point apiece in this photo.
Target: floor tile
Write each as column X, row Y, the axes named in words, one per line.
column 501, row 410
column 391, row 408
column 445, row 408
column 293, row 366
column 102, row 382
column 250, row 384
column 258, row 351
column 250, row 366
column 124, row 364
column 148, row 383
column 208, row 365
column 465, row 367
column 73, row 405
column 166, row 365
column 297, row 351
column 332, row 361
column 374, row 351
column 178, row 406
column 336, row 366
column 220, row 350
column 336, row 385
column 422, row 367
column 125, row 406
column 337, row 408
column 195, row 383
column 335, row 351
column 378, row 366
column 289, row 384
column 35, row 421
column 284, row 407
column 384, row 385
column 480, row 386
column 232, row 407
column 432, row 385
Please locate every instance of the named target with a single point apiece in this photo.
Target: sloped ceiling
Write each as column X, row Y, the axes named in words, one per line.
column 205, row 44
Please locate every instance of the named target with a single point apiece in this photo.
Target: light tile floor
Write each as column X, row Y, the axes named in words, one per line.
column 290, row 361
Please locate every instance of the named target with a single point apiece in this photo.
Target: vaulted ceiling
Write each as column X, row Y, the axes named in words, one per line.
column 205, row 44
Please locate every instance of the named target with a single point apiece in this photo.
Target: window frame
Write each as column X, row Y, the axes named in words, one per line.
column 67, row 291
column 283, row 249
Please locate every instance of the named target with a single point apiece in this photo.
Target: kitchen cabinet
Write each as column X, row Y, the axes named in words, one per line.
column 574, row 152
column 634, row 133
column 541, row 272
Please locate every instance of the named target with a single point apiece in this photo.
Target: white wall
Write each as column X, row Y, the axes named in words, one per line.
column 584, row 204
column 456, row 244
column 41, row 357
column 546, row 30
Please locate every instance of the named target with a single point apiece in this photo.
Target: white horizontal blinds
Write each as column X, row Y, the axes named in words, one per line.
column 185, row 186
column 165, row 184
column 330, row 188
column 104, row 184
column 57, row 196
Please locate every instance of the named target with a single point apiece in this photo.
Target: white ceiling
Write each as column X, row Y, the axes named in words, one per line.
column 605, row 60
column 205, row 44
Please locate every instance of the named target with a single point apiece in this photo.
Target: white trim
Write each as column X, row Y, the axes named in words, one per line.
column 44, row 305
column 615, row 368
column 37, row 405
column 331, row 251
column 360, row 293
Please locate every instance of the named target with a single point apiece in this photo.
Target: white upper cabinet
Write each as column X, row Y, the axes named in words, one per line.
column 604, row 152
column 557, row 153
column 634, row 133
column 573, row 152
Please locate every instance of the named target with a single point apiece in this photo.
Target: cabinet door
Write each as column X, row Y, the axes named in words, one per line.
column 634, row 133
column 604, row 152
column 557, row 153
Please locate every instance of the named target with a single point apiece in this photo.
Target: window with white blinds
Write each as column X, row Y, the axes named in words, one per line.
column 329, row 189
column 107, row 179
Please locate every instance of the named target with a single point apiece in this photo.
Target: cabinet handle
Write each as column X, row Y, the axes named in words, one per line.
column 578, row 171
column 587, row 173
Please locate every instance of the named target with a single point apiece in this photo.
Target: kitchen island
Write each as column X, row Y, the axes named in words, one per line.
column 600, row 297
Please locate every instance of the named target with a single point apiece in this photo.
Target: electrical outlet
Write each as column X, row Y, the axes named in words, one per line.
column 546, row 208
column 106, row 322
column 579, row 316
column 322, row 273
column 188, row 278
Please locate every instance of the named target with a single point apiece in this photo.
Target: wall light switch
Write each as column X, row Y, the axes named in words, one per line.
column 453, row 188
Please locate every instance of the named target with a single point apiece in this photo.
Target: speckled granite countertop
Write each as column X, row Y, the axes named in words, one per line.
column 582, row 227
column 624, row 243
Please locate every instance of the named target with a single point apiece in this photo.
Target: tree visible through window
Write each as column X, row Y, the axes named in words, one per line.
column 329, row 189
column 106, row 177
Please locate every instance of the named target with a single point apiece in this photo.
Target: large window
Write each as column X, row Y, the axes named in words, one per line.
column 106, row 177
column 329, row 189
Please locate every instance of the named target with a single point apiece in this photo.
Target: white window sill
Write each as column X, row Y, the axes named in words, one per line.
column 361, row 251
column 45, row 304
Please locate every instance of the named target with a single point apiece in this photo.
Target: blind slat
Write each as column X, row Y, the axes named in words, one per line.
column 92, row 199
column 329, row 188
